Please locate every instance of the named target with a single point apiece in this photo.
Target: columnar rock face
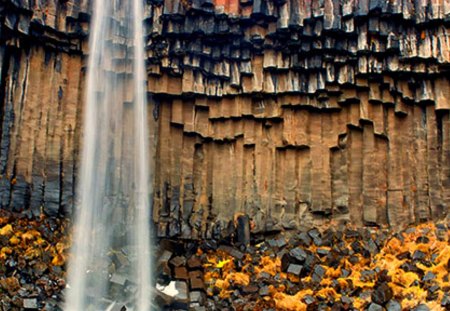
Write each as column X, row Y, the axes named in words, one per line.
column 294, row 112
column 41, row 103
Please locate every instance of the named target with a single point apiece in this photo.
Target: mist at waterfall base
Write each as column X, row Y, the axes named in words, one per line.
column 113, row 211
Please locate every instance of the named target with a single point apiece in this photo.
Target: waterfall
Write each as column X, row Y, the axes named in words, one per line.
column 113, row 191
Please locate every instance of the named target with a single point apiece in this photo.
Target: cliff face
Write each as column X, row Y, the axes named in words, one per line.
column 294, row 112
column 41, row 103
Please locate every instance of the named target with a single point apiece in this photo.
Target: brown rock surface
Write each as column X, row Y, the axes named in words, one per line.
column 293, row 112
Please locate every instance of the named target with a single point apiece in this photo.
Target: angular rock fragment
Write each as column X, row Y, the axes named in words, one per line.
column 445, row 302
column 243, row 230
column 232, row 251
column 119, row 279
column 117, row 306
column 10, row 284
column 375, row 307
column 304, row 239
column 382, row 294
column 295, row 269
column 181, row 273
column 309, row 300
column 196, row 280
column 393, row 305
column 298, row 254
column 178, row 261
column 318, row 273
column 250, row 289
column 194, row 263
column 418, row 255
column 421, row 307
column 197, row 296
column 175, row 291
column 264, row 291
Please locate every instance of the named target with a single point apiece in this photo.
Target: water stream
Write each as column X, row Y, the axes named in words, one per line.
column 112, row 219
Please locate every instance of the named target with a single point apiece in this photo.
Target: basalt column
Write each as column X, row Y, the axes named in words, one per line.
column 299, row 113
column 41, row 93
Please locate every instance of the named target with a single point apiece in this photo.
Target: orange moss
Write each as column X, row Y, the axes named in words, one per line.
column 291, row 302
column 328, row 292
column 406, row 286
column 269, row 265
column 6, row 230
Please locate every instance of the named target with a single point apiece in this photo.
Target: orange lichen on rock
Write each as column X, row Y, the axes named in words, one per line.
column 327, row 292
column 441, row 269
column 224, row 275
column 7, row 230
column 269, row 264
column 33, row 254
column 413, row 265
column 404, row 279
column 289, row 302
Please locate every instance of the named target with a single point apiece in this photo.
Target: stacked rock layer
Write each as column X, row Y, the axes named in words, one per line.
column 294, row 112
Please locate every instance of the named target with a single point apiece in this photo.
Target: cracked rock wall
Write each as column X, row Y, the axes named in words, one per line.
column 295, row 112
column 41, row 97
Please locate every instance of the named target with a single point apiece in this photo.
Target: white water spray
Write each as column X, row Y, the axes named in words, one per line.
column 113, row 209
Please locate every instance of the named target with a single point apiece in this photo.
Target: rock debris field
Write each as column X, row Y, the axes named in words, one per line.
column 339, row 268
column 362, row 269
column 32, row 258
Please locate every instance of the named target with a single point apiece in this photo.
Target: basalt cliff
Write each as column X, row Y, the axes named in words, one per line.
column 295, row 112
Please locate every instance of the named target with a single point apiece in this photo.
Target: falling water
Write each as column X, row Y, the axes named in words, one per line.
column 113, row 209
